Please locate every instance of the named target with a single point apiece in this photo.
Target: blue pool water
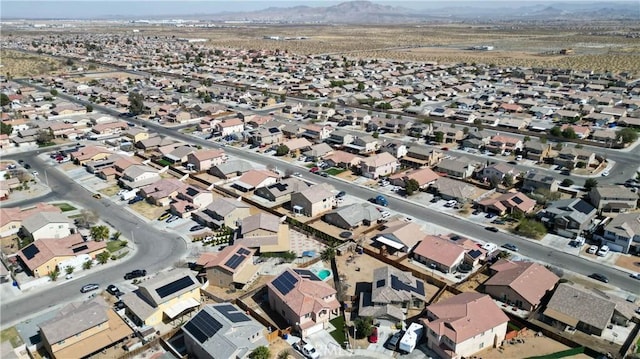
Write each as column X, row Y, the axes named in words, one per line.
column 324, row 274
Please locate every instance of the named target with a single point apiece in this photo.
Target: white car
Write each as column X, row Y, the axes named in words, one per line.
column 605, row 173
column 592, row 250
column 603, row 251
column 385, row 214
column 35, row 173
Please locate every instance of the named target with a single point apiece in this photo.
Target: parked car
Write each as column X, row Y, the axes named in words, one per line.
column 341, row 194
column 592, row 250
column 113, row 290
column 97, row 196
column 603, row 251
column 119, row 305
column 511, row 247
column 605, row 173
column 135, row 274
column 164, row 216
column 314, row 169
column 27, row 166
column 324, row 174
column 173, row 219
column 196, row 228
column 89, row 288
column 373, row 338
column 490, row 215
column 392, row 343
column 635, row 275
column 601, row 277
column 135, row 199
column 492, row 229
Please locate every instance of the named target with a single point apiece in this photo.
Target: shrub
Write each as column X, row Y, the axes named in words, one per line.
column 531, row 229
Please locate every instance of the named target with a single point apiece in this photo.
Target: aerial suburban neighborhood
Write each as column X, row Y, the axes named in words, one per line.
column 162, row 196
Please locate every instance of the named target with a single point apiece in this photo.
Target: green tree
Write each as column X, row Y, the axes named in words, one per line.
column 282, row 150
column 590, row 183
column 54, row 274
column 567, row 182
column 627, row 135
column 53, row 92
column 569, row 132
column 116, row 236
column 136, row 103
column 364, row 326
column 89, row 108
column 44, row 137
column 328, row 254
column 360, row 86
column 556, row 131
column 69, row 269
column 4, row 99
column 375, row 134
column 526, row 139
column 531, row 229
column 99, row 233
column 103, row 257
column 87, row 264
column 5, row 128
column 438, row 136
column 508, row 180
column 261, row 352
column 411, row 186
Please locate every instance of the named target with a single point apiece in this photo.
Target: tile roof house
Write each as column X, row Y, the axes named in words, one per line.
column 223, row 212
column 264, row 231
column 587, row 311
column 229, row 126
column 83, row 329
column 313, row 201
column 378, row 165
column 463, row 325
column 353, row 215
column 89, row 153
column 439, row 253
column 179, row 154
column 568, row 217
column 363, row 145
column 613, row 198
column 500, row 144
column 318, row 151
column 449, row 188
column 266, row 136
column 253, row 179
column 163, row 297
column 280, row 192
column 190, row 199
column 11, row 217
column 622, row 234
column 47, row 225
column 395, row 287
column 222, row 331
column 499, row 171
column 343, row 159
column 399, row 235
column 303, row 300
column 536, row 151
column 232, row 267
column 534, row 181
column 456, row 167
column 520, row 284
column 231, row 169
column 420, row 156
column 297, row 144
column 424, row 176
column 510, row 202
column 162, row 192
column 203, row 160
column 570, row 157
column 46, row 254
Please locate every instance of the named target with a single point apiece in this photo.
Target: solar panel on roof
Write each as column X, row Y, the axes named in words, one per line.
column 174, row 286
column 380, row 283
column 307, row 274
column 285, row 282
column 232, row 313
column 420, row 288
column 30, row 251
column 397, row 284
column 203, row 326
column 244, row 251
column 583, row 207
column 517, row 200
column 80, row 248
column 474, row 253
column 235, row 261
column 274, row 130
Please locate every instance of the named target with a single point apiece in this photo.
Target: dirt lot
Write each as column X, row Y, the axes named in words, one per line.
column 226, row 294
column 149, row 211
column 532, row 346
column 629, row 262
column 18, row 64
column 474, row 283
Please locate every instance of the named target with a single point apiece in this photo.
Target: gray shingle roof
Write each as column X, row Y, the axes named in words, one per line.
column 41, row 219
column 75, row 318
column 354, row 214
column 581, row 305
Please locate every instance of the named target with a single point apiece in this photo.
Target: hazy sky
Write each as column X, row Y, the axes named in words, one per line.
column 52, row 9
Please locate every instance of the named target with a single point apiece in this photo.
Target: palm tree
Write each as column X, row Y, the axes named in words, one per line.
column 328, row 254
column 54, row 274
column 69, row 269
column 87, row 265
column 99, row 233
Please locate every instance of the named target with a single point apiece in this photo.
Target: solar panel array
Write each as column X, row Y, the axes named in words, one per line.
column 203, row 326
column 307, row 274
column 380, row 283
column 285, row 283
column 30, row 251
column 80, row 248
column 583, row 207
column 243, row 251
column 517, row 200
column 235, row 261
column 232, row 313
column 174, row 286
column 397, row 284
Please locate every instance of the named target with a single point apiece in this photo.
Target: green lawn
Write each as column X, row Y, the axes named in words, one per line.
column 310, row 165
column 113, row 246
column 335, row 171
column 65, row 207
column 339, row 333
column 11, row 335
column 638, row 346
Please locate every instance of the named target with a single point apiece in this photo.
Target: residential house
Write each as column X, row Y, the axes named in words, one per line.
column 222, row 331
column 571, row 157
column 89, row 153
column 520, row 284
column 343, row 159
column 177, row 116
column 163, row 298
column 622, row 234
column 223, row 212
column 363, row 145
column 439, row 253
column 316, row 133
column 498, row 171
column 611, row 198
column 83, row 329
column 178, row 155
column 161, row 193
column 424, row 176
column 137, row 176
column 11, row 217
column 265, row 232
column 352, row 216
column 228, row 127
column 450, row 189
column 391, row 287
column 303, row 300
column 534, row 182
column 456, row 167
column 232, row 267
column 280, row 192
column 266, row 136
column 297, row 145
column 230, row 169
column 318, row 151
column 190, row 199
column 136, row 134
column 203, row 160
column 536, row 151
column 399, row 235
column 501, row 144
column 47, row 225
column 339, row 138
column 378, row 165
column 313, row 201
column 568, row 217
column 253, row 179
column 396, row 149
column 510, row 202
column 477, row 139
column 587, row 311
column 461, row 326
column 49, row 254
column 420, row 156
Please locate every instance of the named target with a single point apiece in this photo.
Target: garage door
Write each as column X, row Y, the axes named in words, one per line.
column 316, row 328
column 614, row 247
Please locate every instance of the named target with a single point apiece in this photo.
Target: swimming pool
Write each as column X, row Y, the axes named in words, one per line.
column 324, row 274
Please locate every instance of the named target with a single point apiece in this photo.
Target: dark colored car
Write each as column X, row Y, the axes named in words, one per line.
column 490, row 215
column 119, row 305
column 27, row 166
column 89, row 288
column 136, row 199
column 476, row 212
column 341, row 194
column 196, row 228
column 324, row 174
column 492, row 229
column 113, row 290
column 135, row 274
column 511, row 247
column 393, row 341
column 601, row 277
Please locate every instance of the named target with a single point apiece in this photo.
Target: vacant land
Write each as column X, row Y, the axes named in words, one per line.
column 20, row 64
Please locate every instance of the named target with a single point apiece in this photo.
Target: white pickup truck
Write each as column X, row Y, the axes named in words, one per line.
column 306, row 349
